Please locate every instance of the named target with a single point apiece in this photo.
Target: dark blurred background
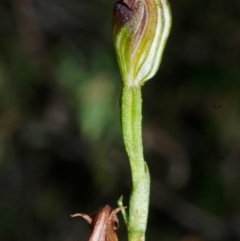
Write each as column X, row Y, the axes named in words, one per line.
column 61, row 149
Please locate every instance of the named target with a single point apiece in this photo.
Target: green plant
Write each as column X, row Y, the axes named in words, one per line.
column 140, row 32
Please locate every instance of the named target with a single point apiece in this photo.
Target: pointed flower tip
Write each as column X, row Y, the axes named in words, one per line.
column 140, row 32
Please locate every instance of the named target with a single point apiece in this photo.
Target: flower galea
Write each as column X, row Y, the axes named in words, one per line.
column 140, row 32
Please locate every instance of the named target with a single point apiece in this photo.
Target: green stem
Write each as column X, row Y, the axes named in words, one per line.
column 132, row 135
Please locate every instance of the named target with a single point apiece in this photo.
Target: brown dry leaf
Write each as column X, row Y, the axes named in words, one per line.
column 103, row 223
